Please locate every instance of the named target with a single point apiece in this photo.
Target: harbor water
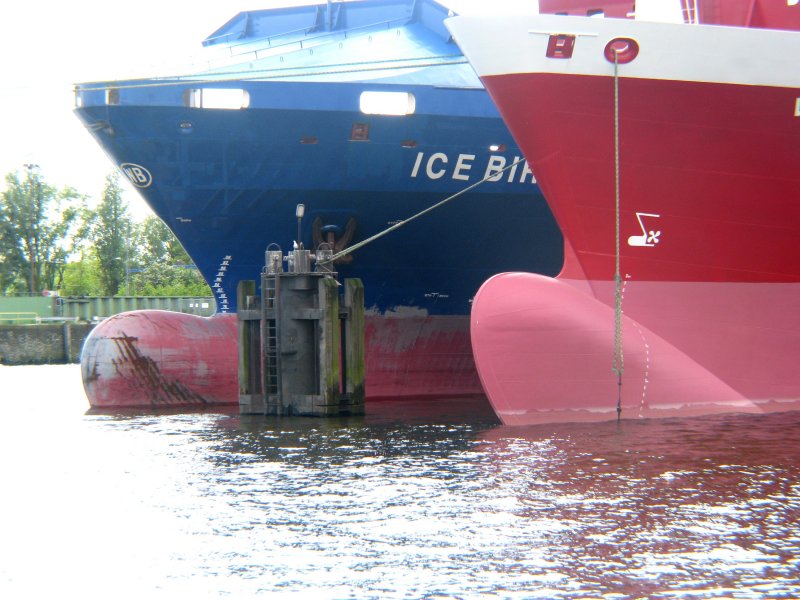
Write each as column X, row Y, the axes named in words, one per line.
column 412, row 500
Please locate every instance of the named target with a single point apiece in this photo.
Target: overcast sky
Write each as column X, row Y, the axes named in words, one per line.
column 47, row 46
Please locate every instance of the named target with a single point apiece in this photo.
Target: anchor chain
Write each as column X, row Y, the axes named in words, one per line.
column 619, row 358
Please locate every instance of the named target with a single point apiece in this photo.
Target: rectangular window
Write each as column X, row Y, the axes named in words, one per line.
column 388, row 103
column 223, row 98
column 560, row 45
column 112, row 96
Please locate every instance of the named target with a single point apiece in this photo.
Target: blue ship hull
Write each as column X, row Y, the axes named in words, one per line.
column 227, row 181
column 229, row 189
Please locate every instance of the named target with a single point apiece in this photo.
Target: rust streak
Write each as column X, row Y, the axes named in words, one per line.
column 147, row 375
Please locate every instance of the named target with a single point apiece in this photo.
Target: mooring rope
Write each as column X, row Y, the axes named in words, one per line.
column 619, row 358
column 380, row 234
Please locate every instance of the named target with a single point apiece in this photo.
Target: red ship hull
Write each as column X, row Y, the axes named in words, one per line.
column 160, row 359
column 709, row 143
column 544, row 348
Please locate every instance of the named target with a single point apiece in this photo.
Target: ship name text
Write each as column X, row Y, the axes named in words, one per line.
column 464, row 167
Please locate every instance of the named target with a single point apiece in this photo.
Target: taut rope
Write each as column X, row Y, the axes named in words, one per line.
column 363, row 243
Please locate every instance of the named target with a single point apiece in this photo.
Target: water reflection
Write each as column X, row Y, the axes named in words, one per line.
column 700, row 508
column 410, row 501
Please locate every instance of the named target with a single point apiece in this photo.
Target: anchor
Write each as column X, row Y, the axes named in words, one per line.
column 333, row 235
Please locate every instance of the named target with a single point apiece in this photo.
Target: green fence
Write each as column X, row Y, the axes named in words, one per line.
column 19, row 318
column 24, row 310
column 33, row 309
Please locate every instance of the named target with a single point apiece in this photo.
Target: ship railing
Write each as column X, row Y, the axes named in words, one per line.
column 230, row 44
column 225, row 56
column 273, row 42
column 691, row 12
column 673, row 11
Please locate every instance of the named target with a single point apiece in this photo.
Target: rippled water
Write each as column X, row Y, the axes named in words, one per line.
column 411, row 501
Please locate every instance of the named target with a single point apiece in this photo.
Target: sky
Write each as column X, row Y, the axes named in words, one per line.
column 46, row 47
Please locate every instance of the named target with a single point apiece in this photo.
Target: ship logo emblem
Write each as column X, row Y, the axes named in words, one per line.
column 137, row 174
column 648, row 237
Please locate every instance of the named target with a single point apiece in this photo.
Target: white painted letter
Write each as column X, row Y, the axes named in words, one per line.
column 526, row 170
column 416, row 164
column 462, row 165
column 494, row 168
column 513, row 170
column 429, row 168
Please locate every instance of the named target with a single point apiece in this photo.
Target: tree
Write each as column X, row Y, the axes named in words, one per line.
column 42, row 233
column 10, row 259
column 82, row 277
column 36, row 231
column 167, row 269
column 111, row 230
column 170, row 280
column 159, row 244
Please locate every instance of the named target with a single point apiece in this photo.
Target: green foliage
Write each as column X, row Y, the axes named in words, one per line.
column 163, row 264
column 159, row 245
column 111, row 229
column 38, row 232
column 52, row 240
column 82, row 277
column 169, row 280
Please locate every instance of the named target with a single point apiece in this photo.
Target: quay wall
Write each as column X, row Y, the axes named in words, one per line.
column 44, row 344
column 40, row 330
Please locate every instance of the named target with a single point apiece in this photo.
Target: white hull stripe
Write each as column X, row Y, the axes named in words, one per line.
column 702, row 53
